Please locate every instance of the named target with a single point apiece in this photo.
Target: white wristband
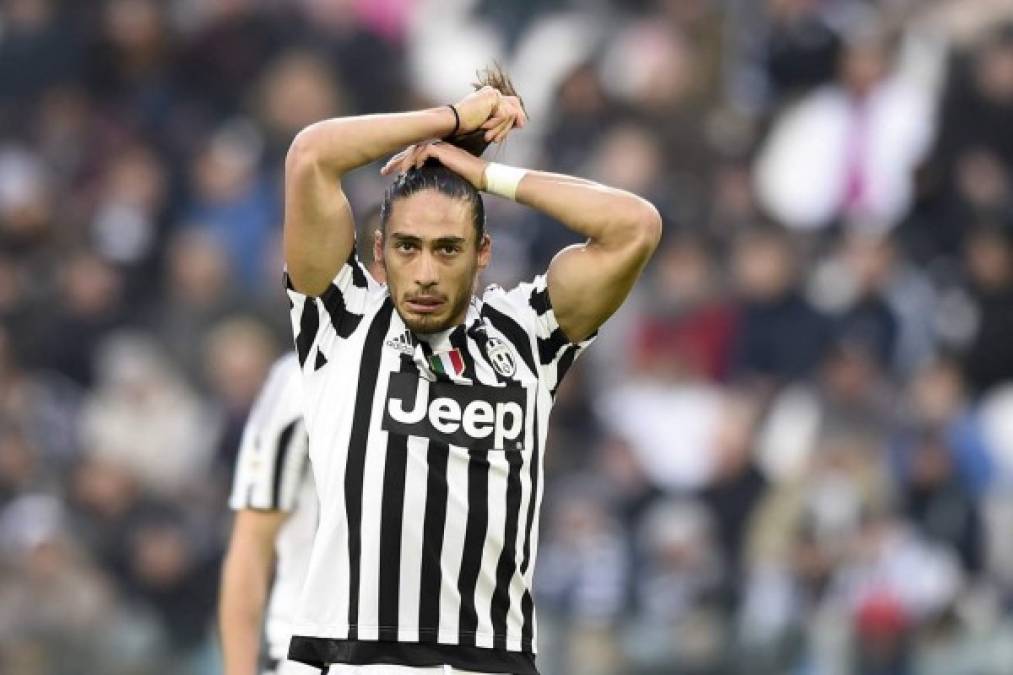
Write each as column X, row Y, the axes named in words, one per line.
column 503, row 180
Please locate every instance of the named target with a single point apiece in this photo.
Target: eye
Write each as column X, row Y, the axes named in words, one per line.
column 404, row 246
column 449, row 249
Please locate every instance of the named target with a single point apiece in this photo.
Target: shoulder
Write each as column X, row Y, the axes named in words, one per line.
column 528, row 297
column 280, row 397
column 285, row 374
column 285, row 368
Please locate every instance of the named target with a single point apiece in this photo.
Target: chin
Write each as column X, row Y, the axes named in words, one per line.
column 425, row 324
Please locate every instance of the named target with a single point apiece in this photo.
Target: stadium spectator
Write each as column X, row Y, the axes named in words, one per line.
column 855, row 143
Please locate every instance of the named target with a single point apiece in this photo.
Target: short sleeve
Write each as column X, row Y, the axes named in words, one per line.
column 337, row 312
column 553, row 352
column 273, row 453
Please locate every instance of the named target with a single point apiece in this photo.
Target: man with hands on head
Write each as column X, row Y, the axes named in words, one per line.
column 427, row 405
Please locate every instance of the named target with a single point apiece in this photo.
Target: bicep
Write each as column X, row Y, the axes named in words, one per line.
column 319, row 227
column 587, row 284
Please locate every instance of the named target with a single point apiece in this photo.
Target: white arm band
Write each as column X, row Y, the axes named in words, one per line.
column 503, row 180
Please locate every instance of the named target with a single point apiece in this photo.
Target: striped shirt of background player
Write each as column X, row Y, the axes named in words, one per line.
column 272, row 474
column 511, row 510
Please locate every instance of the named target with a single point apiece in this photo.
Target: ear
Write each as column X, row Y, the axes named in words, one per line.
column 484, row 251
column 378, row 245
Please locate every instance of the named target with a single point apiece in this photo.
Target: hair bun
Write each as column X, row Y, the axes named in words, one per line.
column 473, row 142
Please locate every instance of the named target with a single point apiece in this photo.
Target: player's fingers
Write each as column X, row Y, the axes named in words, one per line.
column 424, row 152
column 392, row 163
column 411, row 159
column 520, row 117
column 513, row 106
column 504, row 130
column 507, row 103
column 395, row 160
column 510, row 110
column 501, row 136
column 492, row 134
column 402, row 164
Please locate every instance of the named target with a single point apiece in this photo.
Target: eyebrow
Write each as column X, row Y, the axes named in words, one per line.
column 439, row 241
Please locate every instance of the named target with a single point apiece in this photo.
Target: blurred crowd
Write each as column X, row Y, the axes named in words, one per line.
column 790, row 452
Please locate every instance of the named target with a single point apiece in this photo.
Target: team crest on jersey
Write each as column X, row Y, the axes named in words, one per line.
column 500, row 356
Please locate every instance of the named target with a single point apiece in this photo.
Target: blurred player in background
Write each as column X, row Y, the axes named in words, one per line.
column 276, row 514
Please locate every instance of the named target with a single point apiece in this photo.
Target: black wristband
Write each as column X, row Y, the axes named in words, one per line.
column 457, row 121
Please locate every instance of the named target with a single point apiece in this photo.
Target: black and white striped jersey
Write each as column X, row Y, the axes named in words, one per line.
column 272, row 474
column 427, row 452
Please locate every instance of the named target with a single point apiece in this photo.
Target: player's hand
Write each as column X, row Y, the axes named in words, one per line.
column 506, row 116
column 488, row 109
column 461, row 162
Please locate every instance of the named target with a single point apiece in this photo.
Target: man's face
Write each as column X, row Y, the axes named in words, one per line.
column 431, row 258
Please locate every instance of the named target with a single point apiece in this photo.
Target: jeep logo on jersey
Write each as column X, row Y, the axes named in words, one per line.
column 500, row 356
column 477, row 416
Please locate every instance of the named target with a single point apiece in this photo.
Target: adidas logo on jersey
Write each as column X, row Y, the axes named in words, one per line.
column 402, row 343
column 477, row 416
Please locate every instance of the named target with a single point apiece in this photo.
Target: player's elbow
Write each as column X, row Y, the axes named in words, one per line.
column 645, row 227
column 303, row 150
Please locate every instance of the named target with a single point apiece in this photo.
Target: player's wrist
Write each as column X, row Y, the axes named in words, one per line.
column 455, row 121
column 445, row 122
column 502, row 180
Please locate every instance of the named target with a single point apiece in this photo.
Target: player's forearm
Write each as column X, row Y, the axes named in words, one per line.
column 319, row 228
column 342, row 144
column 610, row 218
column 241, row 611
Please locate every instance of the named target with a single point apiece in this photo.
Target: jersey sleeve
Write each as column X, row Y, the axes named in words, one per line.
column 552, row 351
column 273, row 453
column 336, row 313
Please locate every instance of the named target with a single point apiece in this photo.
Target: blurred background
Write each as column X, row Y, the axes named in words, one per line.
column 791, row 452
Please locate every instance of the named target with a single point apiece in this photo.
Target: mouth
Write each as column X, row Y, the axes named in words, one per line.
column 425, row 304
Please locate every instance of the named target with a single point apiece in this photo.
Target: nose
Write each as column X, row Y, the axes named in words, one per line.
column 426, row 270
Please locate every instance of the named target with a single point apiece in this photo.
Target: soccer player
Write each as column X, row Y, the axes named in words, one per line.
column 276, row 513
column 427, row 406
